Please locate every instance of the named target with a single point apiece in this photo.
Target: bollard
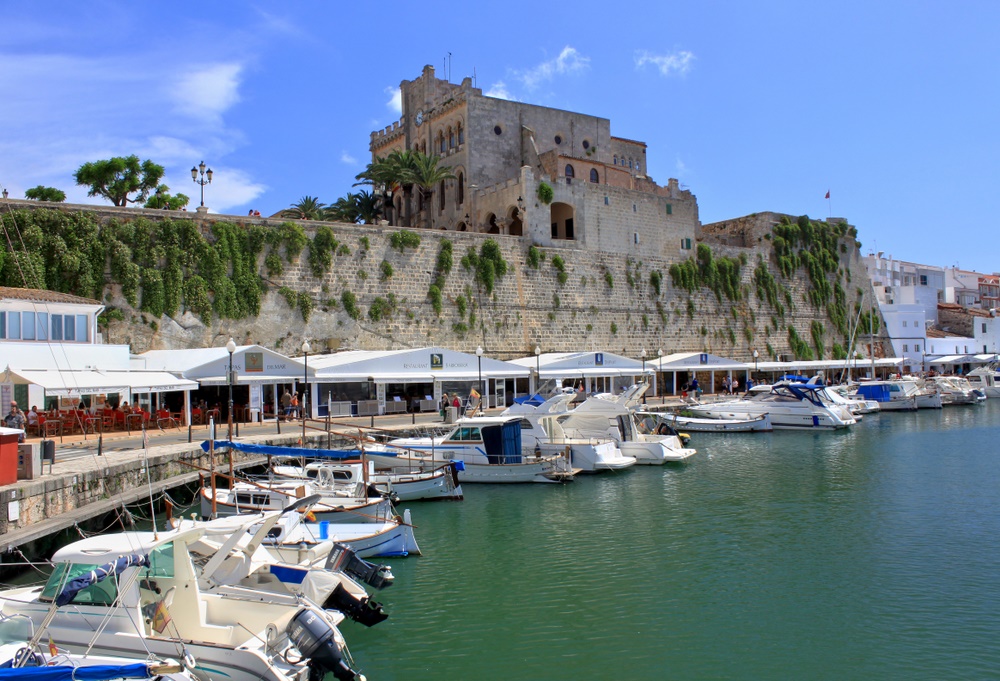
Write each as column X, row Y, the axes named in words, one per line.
column 277, row 419
column 189, row 433
column 100, row 444
column 373, row 421
column 413, row 417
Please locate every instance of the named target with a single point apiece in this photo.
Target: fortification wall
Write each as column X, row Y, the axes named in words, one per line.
column 606, row 302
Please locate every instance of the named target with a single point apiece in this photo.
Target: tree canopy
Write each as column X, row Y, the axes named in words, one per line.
column 121, row 180
column 164, row 199
column 42, row 193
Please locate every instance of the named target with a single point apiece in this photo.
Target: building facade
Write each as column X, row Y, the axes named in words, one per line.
column 502, row 151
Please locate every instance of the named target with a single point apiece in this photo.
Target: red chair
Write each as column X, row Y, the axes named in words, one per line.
column 163, row 418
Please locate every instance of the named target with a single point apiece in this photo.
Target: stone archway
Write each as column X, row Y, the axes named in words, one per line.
column 562, row 221
column 493, row 225
column 515, row 227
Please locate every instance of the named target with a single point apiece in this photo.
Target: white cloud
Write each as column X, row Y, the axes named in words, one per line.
column 680, row 167
column 208, row 92
column 667, row 64
column 569, row 61
column 348, row 159
column 395, row 102
column 500, row 91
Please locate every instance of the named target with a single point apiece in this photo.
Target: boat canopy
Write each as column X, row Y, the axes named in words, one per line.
column 96, row 672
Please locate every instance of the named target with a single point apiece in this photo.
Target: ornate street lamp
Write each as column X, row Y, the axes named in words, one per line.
column 482, row 391
column 230, row 348
column 203, row 181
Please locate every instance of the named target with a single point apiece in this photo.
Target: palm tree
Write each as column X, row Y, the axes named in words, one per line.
column 344, row 209
column 426, row 173
column 369, row 207
column 308, row 208
column 382, row 175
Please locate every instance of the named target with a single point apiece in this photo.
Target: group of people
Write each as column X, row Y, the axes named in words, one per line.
column 456, row 401
column 290, row 405
column 254, row 213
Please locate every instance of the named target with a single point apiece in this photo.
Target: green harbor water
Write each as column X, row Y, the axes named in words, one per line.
column 865, row 554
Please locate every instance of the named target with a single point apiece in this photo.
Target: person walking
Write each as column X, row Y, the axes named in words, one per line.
column 286, row 403
column 445, row 403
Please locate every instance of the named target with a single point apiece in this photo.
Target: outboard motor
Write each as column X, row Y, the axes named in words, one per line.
column 363, row 610
column 342, row 557
column 314, row 637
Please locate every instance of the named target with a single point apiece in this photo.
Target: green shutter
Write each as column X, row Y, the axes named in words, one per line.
column 670, row 209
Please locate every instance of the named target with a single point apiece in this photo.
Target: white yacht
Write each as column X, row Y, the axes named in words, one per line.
column 542, row 430
column 613, row 416
column 985, row 379
column 790, row 405
column 159, row 600
column 489, row 448
column 953, row 390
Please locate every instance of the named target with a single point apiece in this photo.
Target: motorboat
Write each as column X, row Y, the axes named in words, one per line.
column 159, row 600
column 892, row 395
column 790, row 406
column 29, row 655
column 542, row 430
column 984, row 379
column 412, row 485
column 613, row 416
column 859, row 406
column 489, row 448
column 753, row 424
column 351, row 504
column 953, row 390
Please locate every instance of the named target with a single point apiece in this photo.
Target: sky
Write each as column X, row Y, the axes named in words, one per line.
column 889, row 106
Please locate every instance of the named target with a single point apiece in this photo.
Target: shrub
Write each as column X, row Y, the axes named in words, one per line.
column 275, row 268
column 545, row 193
column 385, row 270
column 403, row 239
column 434, row 293
column 535, row 257
column 614, row 328
column 350, row 303
column 608, row 279
column 656, row 280
column 305, row 306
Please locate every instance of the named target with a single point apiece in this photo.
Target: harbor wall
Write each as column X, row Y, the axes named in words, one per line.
column 596, row 301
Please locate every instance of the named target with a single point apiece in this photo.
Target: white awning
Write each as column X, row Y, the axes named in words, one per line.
column 249, row 379
column 63, row 383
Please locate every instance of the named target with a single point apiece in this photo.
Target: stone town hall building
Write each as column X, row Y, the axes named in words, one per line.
column 501, row 151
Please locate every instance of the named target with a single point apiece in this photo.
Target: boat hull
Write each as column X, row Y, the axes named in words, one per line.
column 756, row 424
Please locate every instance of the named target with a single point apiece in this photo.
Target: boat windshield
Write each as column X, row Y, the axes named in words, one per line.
column 466, row 434
column 102, row 593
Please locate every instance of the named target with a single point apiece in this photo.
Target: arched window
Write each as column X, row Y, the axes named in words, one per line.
column 630, row 164
column 451, row 138
column 441, row 141
column 461, row 135
column 570, row 174
column 461, row 188
column 594, row 177
column 441, row 197
column 616, row 159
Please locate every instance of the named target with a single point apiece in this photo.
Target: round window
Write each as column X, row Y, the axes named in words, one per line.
column 497, row 130
column 558, row 139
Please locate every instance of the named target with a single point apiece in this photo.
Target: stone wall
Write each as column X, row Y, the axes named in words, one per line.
column 528, row 307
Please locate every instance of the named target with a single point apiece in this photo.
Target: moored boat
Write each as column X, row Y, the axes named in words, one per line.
column 753, row 424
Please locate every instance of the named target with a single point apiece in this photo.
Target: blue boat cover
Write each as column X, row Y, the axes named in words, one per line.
column 275, row 450
column 97, row 672
column 77, row 584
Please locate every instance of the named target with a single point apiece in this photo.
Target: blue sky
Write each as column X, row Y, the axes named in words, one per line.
column 890, row 106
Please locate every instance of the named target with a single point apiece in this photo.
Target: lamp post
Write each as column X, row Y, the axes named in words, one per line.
column 659, row 371
column 642, row 353
column 305, row 383
column 538, row 370
column 482, row 391
column 5, row 192
column 203, row 181
column 231, row 348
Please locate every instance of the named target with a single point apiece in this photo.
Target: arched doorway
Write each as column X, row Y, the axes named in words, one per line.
column 562, row 221
column 514, row 225
column 461, row 227
column 494, row 228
